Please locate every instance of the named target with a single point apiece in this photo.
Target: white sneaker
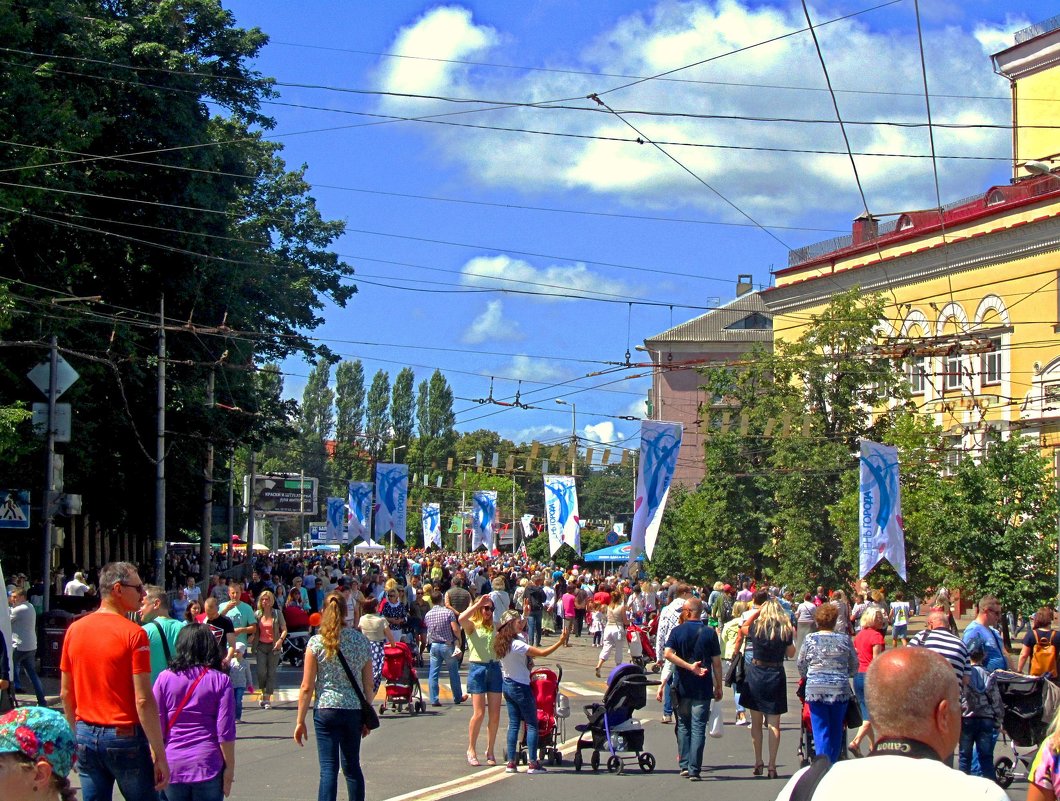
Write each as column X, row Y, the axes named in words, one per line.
column 667, row 719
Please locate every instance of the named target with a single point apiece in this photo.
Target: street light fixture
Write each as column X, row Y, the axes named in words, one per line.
column 393, row 452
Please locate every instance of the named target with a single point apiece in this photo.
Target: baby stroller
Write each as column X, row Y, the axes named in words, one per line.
column 552, row 709
column 641, row 651
column 294, row 647
column 807, row 750
column 402, row 682
column 1029, row 703
column 611, row 726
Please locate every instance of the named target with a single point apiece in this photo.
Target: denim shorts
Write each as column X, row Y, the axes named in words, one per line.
column 484, row 677
column 898, row 632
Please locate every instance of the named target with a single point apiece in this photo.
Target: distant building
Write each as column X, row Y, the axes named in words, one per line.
column 679, row 353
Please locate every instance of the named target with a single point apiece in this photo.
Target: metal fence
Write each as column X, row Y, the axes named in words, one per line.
column 1045, row 26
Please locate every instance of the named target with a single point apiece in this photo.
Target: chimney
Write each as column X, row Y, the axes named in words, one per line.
column 866, row 228
column 744, row 284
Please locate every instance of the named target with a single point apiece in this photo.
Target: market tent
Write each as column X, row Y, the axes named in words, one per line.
column 368, row 547
column 613, row 553
column 327, row 547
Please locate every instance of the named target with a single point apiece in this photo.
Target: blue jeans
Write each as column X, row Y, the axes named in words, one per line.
column 828, row 720
column 104, row 757
column 521, row 709
column 209, row 790
column 339, row 743
column 443, row 653
column 978, row 736
column 26, row 660
column 533, row 628
column 239, row 692
column 692, row 716
column 668, row 705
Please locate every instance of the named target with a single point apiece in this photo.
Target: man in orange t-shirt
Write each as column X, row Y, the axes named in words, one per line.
column 107, row 698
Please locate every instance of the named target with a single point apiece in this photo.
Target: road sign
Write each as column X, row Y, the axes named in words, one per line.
column 285, row 495
column 65, row 376
column 60, row 423
column 14, row 508
column 611, row 538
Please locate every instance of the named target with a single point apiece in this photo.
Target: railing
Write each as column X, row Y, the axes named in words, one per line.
column 1045, row 26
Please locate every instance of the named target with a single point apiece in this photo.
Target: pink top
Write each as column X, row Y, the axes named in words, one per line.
column 569, row 602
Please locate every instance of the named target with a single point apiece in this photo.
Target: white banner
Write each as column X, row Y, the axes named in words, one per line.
column 528, row 527
column 561, row 512
column 431, row 515
column 659, row 445
column 336, row 522
column 392, row 489
column 881, row 532
column 483, row 518
column 360, row 510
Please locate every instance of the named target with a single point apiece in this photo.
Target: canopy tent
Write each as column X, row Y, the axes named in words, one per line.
column 327, row 547
column 368, row 547
column 613, row 553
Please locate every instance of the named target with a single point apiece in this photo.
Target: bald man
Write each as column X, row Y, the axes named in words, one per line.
column 937, row 637
column 915, row 706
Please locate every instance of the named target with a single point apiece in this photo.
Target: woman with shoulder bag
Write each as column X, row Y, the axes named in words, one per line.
column 270, row 630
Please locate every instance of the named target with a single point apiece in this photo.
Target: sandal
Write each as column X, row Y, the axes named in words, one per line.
column 772, row 774
column 758, row 769
column 491, row 760
column 855, row 750
column 472, row 760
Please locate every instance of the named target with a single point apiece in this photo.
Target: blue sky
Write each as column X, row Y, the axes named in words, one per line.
column 436, row 211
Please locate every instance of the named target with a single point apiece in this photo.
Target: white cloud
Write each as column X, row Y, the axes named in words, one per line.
column 526, row 368
column 637, row 408
column 491, row 326
column 554, row 281
column 538, row 433
column 603, row 432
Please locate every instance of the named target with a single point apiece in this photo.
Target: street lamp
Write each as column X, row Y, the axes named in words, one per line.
column 573, row 431
column 393, row 452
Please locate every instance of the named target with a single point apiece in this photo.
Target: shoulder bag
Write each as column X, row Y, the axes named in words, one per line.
column 737, row 672
column 184, row 703
column 368, row 714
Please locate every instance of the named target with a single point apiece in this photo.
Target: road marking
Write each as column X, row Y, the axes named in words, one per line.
column 567, row 688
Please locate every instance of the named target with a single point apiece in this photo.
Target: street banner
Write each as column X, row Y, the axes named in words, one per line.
column 336, row 522
column 360, row 510
column 528, row 527
column 483, row 518
column 659, row 445
column 431, row 514
column 392, row 489
column 561, row 512
column 456, row 524
column 881, row 533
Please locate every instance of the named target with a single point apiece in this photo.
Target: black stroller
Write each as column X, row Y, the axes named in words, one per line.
column 611, row 725
column 1029, row 702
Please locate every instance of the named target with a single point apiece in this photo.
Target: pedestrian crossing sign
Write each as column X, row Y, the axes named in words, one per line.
column 14, row 508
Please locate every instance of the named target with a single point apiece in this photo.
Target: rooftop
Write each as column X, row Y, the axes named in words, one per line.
column 745, row 319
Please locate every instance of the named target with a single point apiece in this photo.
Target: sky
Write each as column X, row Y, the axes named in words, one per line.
column 510, row 177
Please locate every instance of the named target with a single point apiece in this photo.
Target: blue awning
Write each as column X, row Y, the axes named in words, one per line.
column 614, row 553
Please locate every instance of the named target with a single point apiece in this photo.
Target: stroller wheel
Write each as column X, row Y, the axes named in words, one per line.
column 1005, row 774
column 614, row 764
column 646, row 762
column 578, row 762
column 557, row 758
column 414, row 708
column 594, row 761
column 382, row 709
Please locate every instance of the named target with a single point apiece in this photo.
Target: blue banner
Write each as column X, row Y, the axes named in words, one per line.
column 659, row 445
column 360, row 510
column 561, row 512
column 336, row 521
column 431, row 514
column 483, row 518
column 392, row 489
column 881, row 533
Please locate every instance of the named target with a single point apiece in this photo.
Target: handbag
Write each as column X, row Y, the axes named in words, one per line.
column 853, row 716
column 368, row 714
column 737, row 672
column 7, row 701
column 716, row 721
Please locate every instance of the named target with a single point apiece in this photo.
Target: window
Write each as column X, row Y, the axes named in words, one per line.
column 954, row 452
column 952, row 370
column 918, row 375
column 991, row 363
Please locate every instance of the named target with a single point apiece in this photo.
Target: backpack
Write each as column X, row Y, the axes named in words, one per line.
column 1043, row 657
column 975, row 700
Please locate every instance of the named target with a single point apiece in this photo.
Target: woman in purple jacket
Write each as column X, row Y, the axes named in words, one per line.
column 196, row 706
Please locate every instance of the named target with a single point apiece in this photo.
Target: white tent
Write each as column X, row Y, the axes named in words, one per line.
column 368, row 547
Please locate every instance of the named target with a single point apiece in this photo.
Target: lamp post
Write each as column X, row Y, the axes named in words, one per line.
column 573, row 432
column 393, row 460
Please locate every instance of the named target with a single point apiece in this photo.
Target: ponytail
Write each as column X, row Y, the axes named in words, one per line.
column 331, row 622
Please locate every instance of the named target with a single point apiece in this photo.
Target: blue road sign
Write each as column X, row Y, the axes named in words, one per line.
column 14, row 508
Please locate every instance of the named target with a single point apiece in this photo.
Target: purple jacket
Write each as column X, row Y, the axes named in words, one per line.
column 208, row 719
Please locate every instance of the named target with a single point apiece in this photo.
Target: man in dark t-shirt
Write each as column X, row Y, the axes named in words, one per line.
column 223, row 629
column 533, row 606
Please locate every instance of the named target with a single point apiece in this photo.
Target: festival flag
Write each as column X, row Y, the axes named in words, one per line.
column 360, row 510
column 561, row 512
column 483, row 518
column 456, row 524
column 431, row 515
column 659, row 445
column 335, row 530
column 528, row 527
column 881, row 531
column 392, row 483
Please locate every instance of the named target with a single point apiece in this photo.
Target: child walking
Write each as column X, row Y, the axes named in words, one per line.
column 596, row 624
column 239, row 675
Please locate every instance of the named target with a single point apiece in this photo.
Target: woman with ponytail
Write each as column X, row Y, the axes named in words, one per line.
column 337, row 717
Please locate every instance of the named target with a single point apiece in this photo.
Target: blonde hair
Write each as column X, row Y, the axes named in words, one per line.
column 481, row 618
column 331, row 622
column 773, row 620
column 739, row 608
column 262, row 597
column 870, row 618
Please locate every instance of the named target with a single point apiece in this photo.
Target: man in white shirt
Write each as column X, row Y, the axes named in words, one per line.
column 24, row 642
column 76, row 586
column 192, row 593
column 669, row 619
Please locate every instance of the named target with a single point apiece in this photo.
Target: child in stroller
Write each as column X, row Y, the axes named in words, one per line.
column 1029, row 703
column 297, row 632
column 402, row 682
column 611, row 725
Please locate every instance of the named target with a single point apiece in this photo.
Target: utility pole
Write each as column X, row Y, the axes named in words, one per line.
column 573, row 434
column 515, row 531
column 49, row 470
column 207, row 491
column 250, row 511
column 160, row 452
column 231, row 501
column 301, row 509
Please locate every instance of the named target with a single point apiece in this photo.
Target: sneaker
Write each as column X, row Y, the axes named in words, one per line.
column 683, row 774
column 536, row 767
column 695, row 778
column 511, row 767
column 667, row 719
column 267, row 705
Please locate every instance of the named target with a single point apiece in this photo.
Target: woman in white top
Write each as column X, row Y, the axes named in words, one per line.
column 614, row 631
column 501, row 600
column 377, row 631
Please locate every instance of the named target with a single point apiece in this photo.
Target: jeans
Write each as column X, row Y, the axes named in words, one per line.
column 521, row 709
column 209, row 790
column 978, row 736
column 443, row 653
column 239, row 692
column 104, row 757
column 339, row 743
column 668, row 705
column 692, row 715
column 533, row 628
column 26, row 660
column 828, row 720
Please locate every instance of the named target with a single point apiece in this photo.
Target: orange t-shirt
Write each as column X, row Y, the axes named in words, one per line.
column 102, row 652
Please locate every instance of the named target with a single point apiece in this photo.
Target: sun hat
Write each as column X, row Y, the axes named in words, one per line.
column 508, row 617
column 39, row 733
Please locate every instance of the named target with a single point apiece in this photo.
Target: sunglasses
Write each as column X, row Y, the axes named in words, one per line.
column 487, row 608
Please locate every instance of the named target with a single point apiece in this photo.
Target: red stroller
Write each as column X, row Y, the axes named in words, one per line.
column 641, row 650
column 402, row 682
column 552, row 709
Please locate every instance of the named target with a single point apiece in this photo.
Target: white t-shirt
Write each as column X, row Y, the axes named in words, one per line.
column 514, row 665
column 884, row 778
column 192, row 593
column 900, row 610
column 75, row 587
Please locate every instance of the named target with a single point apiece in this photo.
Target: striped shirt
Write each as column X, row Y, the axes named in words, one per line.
column 950, row 647
column 438, row 623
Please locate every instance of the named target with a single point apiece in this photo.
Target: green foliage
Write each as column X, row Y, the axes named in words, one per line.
column 377, row 416
column 435, row 421
column 402, row 406
column 349, row 420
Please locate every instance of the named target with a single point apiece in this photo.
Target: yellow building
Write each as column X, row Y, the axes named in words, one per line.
column 975, row 289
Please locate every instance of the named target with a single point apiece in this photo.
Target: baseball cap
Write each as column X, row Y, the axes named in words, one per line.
column 39, row 733
column 241, row 647
column 508, row 617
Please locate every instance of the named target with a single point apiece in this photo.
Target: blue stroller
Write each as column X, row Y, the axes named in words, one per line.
column 611, row 726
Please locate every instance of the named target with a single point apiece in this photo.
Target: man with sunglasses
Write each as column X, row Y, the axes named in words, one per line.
column 107, row 698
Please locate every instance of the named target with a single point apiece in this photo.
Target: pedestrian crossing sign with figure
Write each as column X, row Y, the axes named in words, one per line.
column 14, row 508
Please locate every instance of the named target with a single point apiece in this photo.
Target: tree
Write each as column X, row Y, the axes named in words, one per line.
column 377, row 416
column 402, row 406
column 605, row 495
column 435, row 420
column 349, row 420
